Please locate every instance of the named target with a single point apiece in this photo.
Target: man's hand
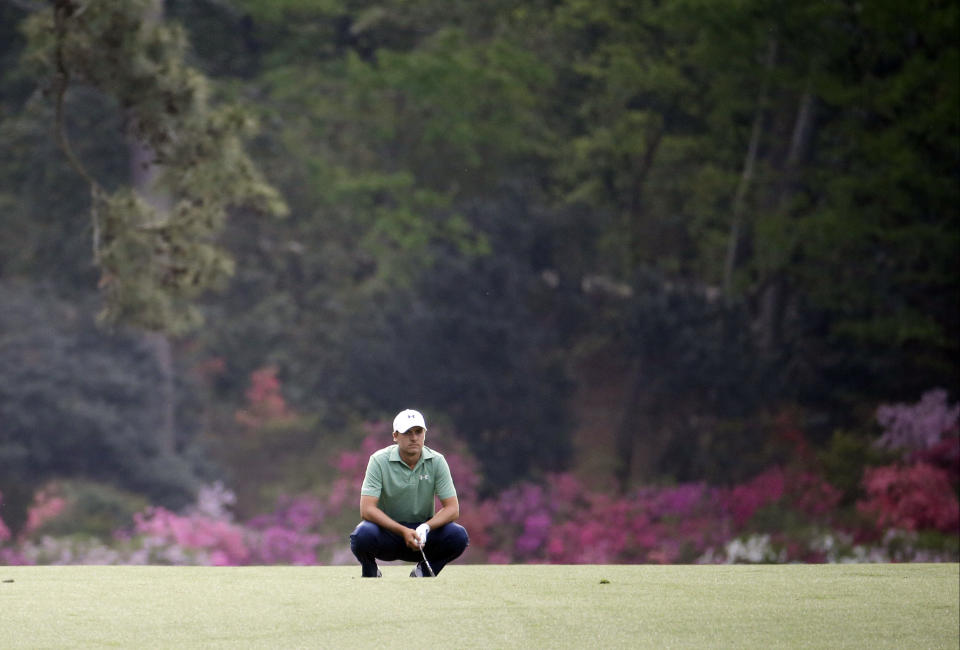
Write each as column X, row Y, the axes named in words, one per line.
column 422, row 531
column 410, row 539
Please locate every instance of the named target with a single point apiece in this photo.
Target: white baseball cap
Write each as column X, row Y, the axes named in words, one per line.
column 407, row 420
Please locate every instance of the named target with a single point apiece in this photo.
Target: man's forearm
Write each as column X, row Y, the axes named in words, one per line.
column 375, row 515
column 443, row 517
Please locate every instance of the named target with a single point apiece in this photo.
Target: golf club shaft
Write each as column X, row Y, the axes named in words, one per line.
column 427, row 563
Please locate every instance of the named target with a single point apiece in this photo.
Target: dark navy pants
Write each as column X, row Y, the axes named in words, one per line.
column 370, row 543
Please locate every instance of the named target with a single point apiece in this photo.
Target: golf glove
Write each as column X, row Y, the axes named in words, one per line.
column 422, row 531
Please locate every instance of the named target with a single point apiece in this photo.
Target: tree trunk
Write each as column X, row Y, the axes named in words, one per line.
column 162, row 350
column 143, row 175
column 746, row 175
column 630, row 428
column 634, row 237
column 632, row 412
column 772, row 301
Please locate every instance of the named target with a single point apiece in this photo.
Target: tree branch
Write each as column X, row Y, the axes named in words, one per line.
column 63, row 9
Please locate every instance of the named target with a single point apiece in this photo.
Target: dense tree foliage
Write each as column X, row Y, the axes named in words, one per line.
column 734, row 209
column 154, row 258
column 75, row 401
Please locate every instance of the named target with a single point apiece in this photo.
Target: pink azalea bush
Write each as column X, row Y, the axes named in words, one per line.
column 47, row 505
column 911, row 497
column 563, row 521
column 918, row 426
column 4, row 531
column 286, row 535
column 784, row 514
column 193, row 538
column 8, row 556
column 264, row 399
column 350, row 467
column 208, row 535
column 920, row 491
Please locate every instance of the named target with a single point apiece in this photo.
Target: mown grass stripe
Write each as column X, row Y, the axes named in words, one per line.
column 473, row 606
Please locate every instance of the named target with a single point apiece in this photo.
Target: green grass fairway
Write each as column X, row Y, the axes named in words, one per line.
column 822, row 606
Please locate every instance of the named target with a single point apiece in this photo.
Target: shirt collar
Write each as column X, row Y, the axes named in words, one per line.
column 425, row 453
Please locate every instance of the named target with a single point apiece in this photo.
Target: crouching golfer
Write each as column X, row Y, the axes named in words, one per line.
column 397, row 503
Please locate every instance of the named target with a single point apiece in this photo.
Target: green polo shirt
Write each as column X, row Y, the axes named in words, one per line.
column 407, row 495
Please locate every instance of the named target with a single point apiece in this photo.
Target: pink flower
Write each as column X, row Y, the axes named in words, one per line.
column 535, row 530
column 920, row 426
column 4, row 531
column 813, row 496
column 498, row 557
column 12, row 557
column 916, row 497
column 765, row 488
column 197, row 532
column 219, row 558
column 47, row 505
column 264, row 399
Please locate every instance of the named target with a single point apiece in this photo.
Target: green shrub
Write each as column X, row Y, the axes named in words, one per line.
column 88, row 508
